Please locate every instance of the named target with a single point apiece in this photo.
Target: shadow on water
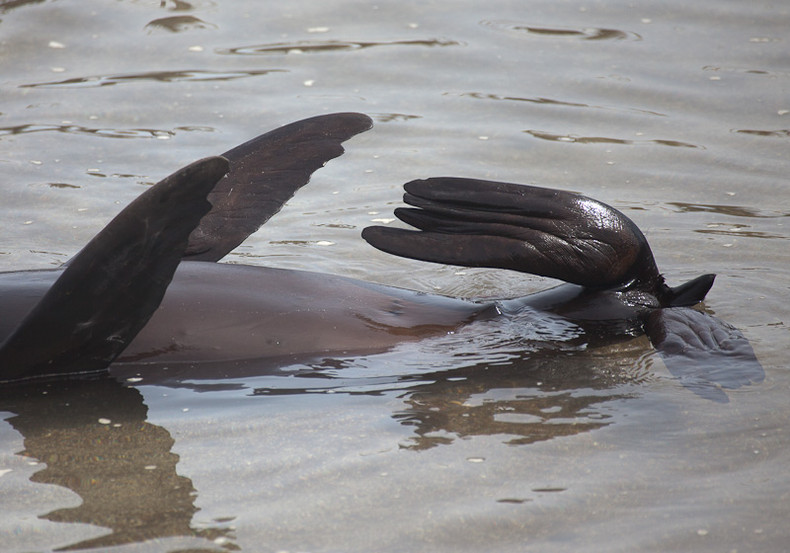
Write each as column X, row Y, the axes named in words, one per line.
column 94, row 438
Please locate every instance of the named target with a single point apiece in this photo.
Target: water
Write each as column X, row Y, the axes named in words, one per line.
column 674, row 112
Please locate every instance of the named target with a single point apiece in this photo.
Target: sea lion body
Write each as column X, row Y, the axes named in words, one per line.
column 214, row 312
column 147, row 292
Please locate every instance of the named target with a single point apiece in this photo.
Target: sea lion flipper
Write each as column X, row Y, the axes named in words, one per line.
column 690, row 293
column 535, row 230
column 704, row 353
column 264, row 173
column 114, row 284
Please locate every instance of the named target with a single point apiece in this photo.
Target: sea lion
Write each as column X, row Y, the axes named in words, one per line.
column 146, row 290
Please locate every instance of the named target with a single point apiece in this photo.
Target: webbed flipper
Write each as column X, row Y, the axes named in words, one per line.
column 704, row 353
column 574, row 238
column 265, row 172
column 114, row 284
column 553, row 233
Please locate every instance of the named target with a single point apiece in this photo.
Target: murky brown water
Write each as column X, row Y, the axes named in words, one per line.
column 678, row 113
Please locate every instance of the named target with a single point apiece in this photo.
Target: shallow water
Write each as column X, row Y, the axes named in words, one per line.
column 677, row 113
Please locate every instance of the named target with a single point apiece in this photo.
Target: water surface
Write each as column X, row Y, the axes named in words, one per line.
column 677, row 113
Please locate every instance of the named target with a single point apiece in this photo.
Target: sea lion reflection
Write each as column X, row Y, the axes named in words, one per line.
column 93, row 438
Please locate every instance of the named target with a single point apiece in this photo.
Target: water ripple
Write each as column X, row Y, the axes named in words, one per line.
column 582, row 33
column 104, row 133
column 178, row 23
column 179, row 5
column 745, row 71
column 779, row 133
column 740, row 233
column 550, row 102
column 13, row 4
column 731, row 210
column 161, row 76
column 388, row 117
column 606, row 140
column 317, row 47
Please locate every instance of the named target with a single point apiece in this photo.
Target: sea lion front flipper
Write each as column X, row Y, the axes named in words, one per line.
column 535, row 230
column 114, row 284
column 704, row 353
column 265, row 172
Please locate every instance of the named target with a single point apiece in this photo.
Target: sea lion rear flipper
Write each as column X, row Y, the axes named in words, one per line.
column 114, row 284
column 264, row 173
column 547, row 232
column 704, row 353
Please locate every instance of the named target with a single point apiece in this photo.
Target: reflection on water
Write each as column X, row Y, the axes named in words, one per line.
column 737, row 230
column 318, row 46
column 606, row 140
column 62, row 185
column 528, row 401
column 177, row 5
column 12, row 4
column 553, row 102
column 105, row 133
column 731, row 210
column 586, row 33
column 781, row 133
column 178, row 23
column 730, row 229
column 160, row 76
column 95, row 441
column 388, row 117
column 495, row 387
column 762, row 72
